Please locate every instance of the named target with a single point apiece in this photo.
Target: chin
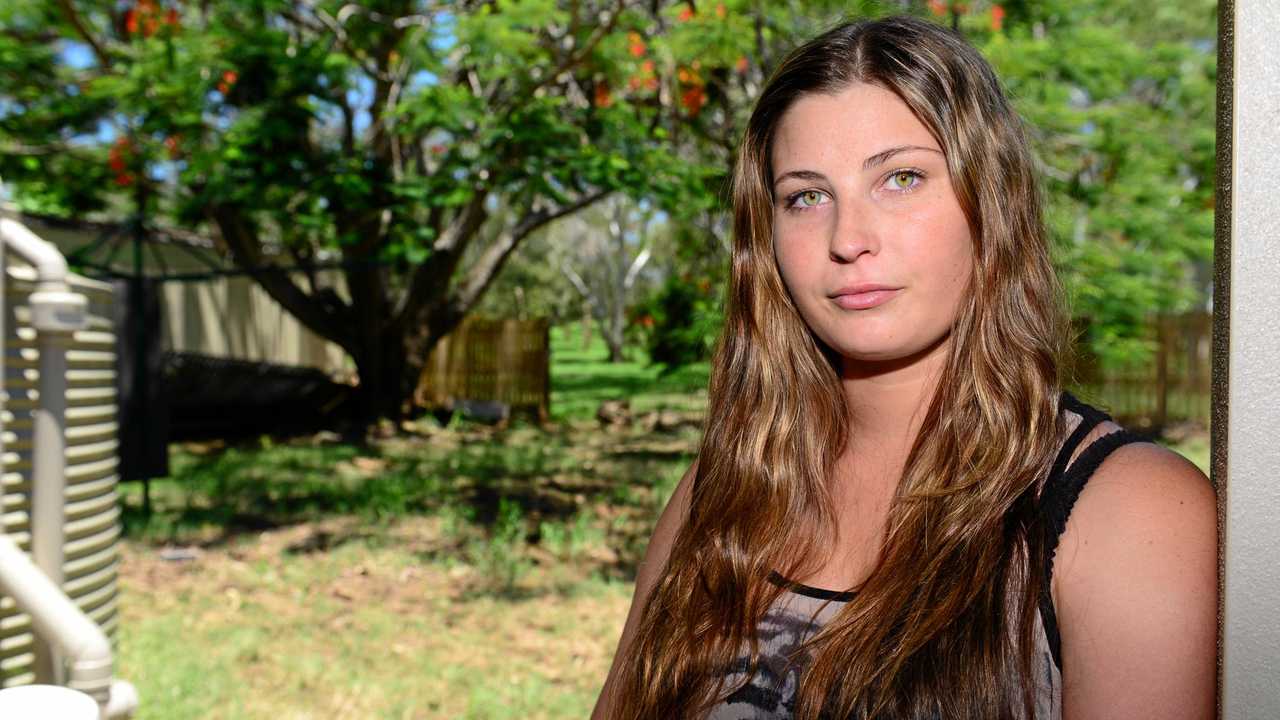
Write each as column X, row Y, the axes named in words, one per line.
column 892, row 352
column 873, row 355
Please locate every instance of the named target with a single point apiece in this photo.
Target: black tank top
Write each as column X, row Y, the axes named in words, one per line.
column 803, row 610
column 1062, row 489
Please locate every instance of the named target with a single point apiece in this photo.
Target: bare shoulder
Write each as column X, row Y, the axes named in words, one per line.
column 1135, row 587
column 1150, row 487
column 669, row 524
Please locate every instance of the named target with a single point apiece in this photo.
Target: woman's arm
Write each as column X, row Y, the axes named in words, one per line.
column 1136, row 591
column 655, row 559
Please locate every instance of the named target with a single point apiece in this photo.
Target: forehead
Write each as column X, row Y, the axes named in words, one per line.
column 845, row 126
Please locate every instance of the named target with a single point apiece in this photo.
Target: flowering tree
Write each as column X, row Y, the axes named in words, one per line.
column 417, row 143
column 413, row 143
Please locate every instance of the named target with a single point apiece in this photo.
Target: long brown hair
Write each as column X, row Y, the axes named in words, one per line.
column 943, row 626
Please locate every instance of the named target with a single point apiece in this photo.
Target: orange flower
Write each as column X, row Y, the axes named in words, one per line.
column 721, row 10
column 997, row 18
column 647, row 66
column 603, row 98
column 693, row 99
column 938, row 7
column 637, row 44
column 686, row 13
column 742, row 64
column 229, row 78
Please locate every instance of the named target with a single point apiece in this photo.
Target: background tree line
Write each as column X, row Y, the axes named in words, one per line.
column 561, row 157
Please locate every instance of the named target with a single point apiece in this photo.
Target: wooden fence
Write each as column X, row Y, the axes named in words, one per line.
column 494, row 361
column 507, row 363
column 1172, row 387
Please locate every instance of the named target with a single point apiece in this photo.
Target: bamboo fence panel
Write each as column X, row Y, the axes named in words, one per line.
column 487, row 360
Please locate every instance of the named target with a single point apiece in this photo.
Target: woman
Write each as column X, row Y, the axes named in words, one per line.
column 895, row 511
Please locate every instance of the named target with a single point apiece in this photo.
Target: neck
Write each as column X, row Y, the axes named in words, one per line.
column 888, row 400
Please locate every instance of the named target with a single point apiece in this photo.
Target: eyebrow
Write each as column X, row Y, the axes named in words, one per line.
column 872, row 161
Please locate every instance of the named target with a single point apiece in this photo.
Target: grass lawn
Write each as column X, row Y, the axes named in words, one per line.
column 449, row 572
column 456, row 572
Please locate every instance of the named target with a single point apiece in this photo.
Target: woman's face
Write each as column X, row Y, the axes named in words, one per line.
column 868, row 234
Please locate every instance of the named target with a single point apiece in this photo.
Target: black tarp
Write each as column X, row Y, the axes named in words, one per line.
column 211, row 397
column 142, row 409
column 166, row 397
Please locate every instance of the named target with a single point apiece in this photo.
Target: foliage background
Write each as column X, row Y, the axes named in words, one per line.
column 422, row 146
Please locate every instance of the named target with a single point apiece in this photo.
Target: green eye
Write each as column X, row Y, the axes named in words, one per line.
column 809, row 198
column 904, row 179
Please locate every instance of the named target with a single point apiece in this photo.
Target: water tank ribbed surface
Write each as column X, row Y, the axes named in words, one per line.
column 92, row 555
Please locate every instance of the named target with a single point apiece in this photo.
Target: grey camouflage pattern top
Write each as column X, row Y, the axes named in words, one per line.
column 797, row 616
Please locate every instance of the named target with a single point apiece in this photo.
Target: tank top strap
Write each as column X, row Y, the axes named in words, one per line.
column 1090, row 418
column 1062, row 488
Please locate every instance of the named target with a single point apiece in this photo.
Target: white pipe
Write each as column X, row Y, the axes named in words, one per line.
column 50, row 266
column 75, row 645
column 48, row 478
column 56, row 313
column 55, row 617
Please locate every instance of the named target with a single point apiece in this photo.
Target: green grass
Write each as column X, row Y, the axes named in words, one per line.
column 583, row 378
column 450, row 572
column 1194, row 448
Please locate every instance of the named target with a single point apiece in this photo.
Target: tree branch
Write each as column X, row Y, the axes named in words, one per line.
column 576, row 280
column 433, row 275
column 318, row 315
column 487, row 267
column 73, row 17
column 636, row 266
column 574, row 58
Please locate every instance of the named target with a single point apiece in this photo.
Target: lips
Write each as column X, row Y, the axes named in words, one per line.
column 864, row 296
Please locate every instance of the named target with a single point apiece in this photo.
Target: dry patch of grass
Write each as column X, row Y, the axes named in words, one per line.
column 332, row 620
column 457, row 573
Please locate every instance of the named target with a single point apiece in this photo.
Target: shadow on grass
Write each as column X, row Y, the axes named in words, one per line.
column 551, row 477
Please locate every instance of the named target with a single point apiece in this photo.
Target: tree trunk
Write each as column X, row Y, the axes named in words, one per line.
column 615, row 347
column 614, row 327
column 385, row 389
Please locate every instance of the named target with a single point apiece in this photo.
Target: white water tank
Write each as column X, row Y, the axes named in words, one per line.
column 91, row 547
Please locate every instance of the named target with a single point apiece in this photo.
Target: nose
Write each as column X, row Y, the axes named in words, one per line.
column 853, row 234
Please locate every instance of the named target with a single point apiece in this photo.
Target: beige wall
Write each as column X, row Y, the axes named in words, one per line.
column 225, row 316
column 233, row 317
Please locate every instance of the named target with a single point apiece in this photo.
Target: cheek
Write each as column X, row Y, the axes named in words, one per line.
column 955, row 269
column 791, row 263
column 949, row 244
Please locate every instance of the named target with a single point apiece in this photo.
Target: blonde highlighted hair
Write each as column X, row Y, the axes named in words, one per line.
column 942, row 633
